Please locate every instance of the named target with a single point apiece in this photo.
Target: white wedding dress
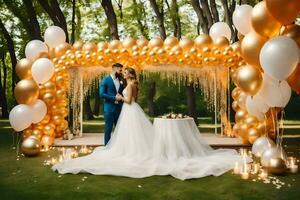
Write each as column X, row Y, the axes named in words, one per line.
column 132, row 152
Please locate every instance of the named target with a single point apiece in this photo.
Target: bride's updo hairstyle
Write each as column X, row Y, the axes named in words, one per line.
column 131, row 73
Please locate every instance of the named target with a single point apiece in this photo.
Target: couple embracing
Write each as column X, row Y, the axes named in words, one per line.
column 130, row 150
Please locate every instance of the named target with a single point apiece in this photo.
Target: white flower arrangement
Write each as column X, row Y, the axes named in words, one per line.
column 174, row 116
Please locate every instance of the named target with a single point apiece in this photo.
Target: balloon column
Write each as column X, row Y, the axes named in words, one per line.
column 40, row 93
column 270, row 68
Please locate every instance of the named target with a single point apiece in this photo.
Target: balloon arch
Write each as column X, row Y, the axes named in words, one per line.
column 263, row 65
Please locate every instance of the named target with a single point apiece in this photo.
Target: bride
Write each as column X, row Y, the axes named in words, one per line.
column 131, row 151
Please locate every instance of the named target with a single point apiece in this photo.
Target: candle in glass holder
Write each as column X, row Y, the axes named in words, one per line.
column 263, row 174
column 292, row 165
column 255, row 168
column 53, row 161
column 245, row 175
column 236, row 168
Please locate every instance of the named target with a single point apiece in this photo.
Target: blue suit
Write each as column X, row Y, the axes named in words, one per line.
column 112, row 110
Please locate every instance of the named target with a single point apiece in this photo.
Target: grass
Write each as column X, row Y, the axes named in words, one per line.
column 28, row 178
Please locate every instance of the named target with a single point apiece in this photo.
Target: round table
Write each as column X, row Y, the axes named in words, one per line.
column 175, row 138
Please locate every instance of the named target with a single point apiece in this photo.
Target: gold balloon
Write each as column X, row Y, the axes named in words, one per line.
column 253, row 134
column 38, row 133
column 48, row 98
column 89, row 46
column 61, row 49
column 23, row 68
column 221, row 42
column 262, row 128
column 236, row 129
column 284, row 11
column 115, row 44
column 203, row 41
column 251, row 121
column 251, row 46
column 277, row 166
column 171, row 41
column 143, row 42
column 78, row 45
column 26, row 91
column 26, row 133
column 236, row 93
column 46, row 119
column 30, row 146
column 60, row 94
column 292, row 31
column 48, row 55
column 102, row 45
column 186, row 43
column 263, row 22
column 294, row 79
column 242, row 100
column 235, row 106
column 57, row 119
column 240, row 115
column 243, row 132
column 249, row 79
column 49, row 130
column 129, row 42
column 237, row 47
column 47, row 140
column 155, row 42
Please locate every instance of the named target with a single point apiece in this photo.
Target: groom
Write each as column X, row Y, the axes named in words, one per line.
column 111, row 90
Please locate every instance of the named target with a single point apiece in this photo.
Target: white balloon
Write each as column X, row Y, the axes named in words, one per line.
column 242, row 18
column 42, row 70
column 279, row 57
column 274, row 152
column 20, row 117
column 260, row 145
column 54, row 36
column 34, row 48
column 220, row 29
column 39, row 110
column 256, row 106
column 274, row 92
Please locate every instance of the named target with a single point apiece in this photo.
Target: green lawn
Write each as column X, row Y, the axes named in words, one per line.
column 28, row 178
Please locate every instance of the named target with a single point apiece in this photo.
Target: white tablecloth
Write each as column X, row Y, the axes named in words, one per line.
column 175, row 138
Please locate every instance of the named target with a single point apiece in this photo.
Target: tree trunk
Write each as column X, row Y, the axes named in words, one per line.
column 173, row 10
column 136, row 12
column 88, row 110
column 214, row 10
column 111, row 18
column 33, row 19
column 29, row 21
column 3, row 98
column 73, row 21
column 56, row 15
column 191, row 102
column 150, row 98
column 11, row 50
column 228, row 11
column 97, row 102
column 61, row 17
column 201, row 19
column 159, row 15
column 207, row 13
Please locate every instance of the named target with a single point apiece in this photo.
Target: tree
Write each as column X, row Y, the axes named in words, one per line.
column 202, row 22
column 207, row 13
column 73, row 21
column 214, row 10
column 31, row 26
column 11, row 50
column 159, row 15
column 228, row 11
column 173, row 10
column 3, row 89
column 57, row 16
column 139, row 13
column 111, row 18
